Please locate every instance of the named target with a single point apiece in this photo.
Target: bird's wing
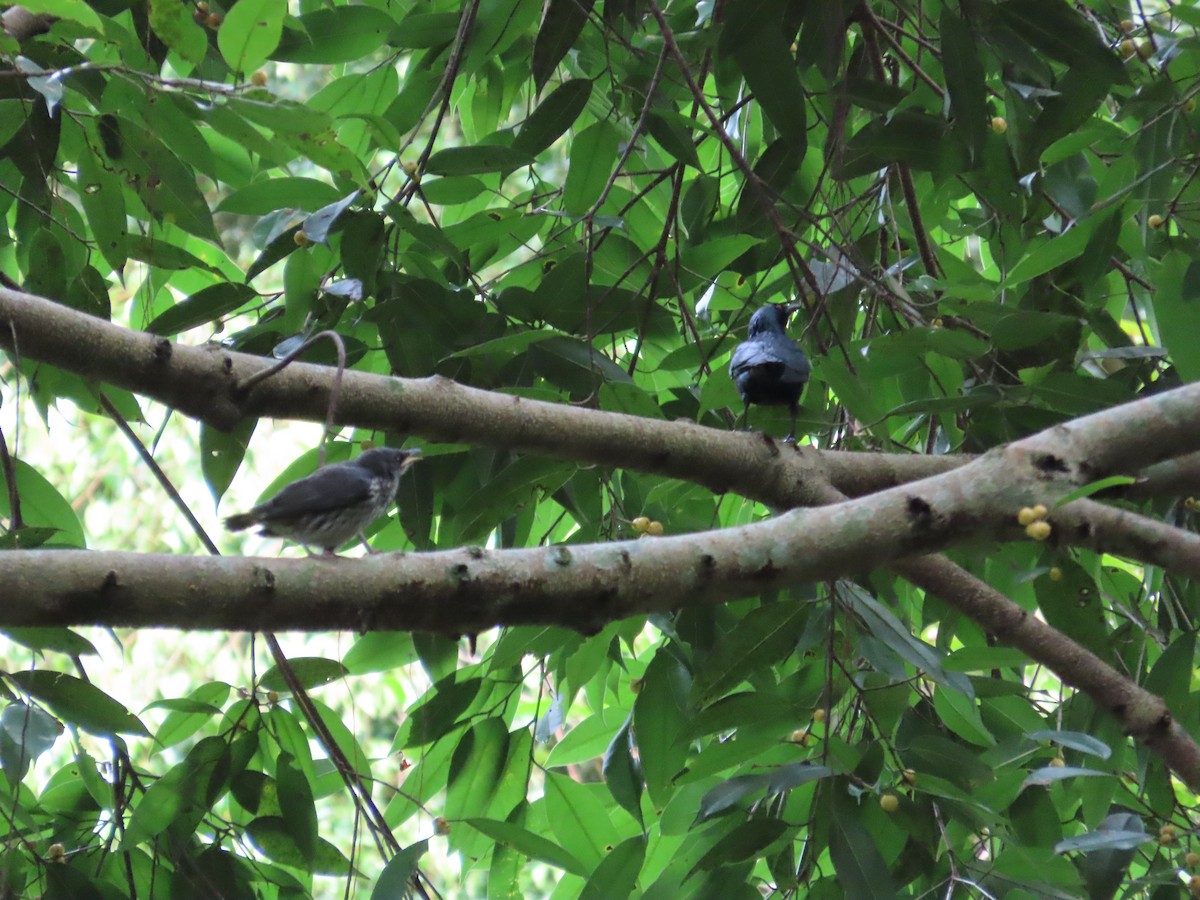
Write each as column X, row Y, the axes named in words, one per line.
column 333, row 487
column 773, row 352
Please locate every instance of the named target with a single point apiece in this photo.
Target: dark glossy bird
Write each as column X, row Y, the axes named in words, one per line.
column 768, row 367
column 334, row 503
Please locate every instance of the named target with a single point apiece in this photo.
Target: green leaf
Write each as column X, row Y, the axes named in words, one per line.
column 78, row 702
column 764, row 637
column 262, row 197
column 529, row 844
column 207, row 305
column 561, row 25
column 221, row 454
column 338, row 34
column 60, row 640
column 311, row 672
column 622, row 773
column 746, row 841
column 658, row 720
column 753, row 37
column 618, row 872
column 41, row 505
column 250, row 32
column 579, row 819
column 553, row 116
column 593, row 155
column 478, row 160
column 393, row 881
column 318, row 225
column 964, row 80
column 75, row 10
column 861, row 869
column 476, row 769
column 296, row 804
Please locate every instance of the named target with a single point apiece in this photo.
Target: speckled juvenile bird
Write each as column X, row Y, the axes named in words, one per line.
column 334, row 503
column 768, row 368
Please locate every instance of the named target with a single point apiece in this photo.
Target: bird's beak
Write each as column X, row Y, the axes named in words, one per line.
column 414, row 455
column 790, row 308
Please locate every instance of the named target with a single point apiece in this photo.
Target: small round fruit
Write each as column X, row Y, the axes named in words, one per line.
column 1189, row 105
column 909, row 776
column 889, row 803
column 1040, row 511
column 1127, row 26
column 1145, row 49
column 1191, row 861
column 57, row 852
column 818, row 715
column 1166, row 835
column 1039, row 530
column 1056, row 574
column 259, row 78
column 999, row 125
column 202, row 6
column 301, row 239
column 214, row 20
column 1190, row 503
column 641, row 524
column 1194, row 885
column 1025, row 516
column 1155, row 221
column 441, row 825
column 938, row 323
column 655, row 528
column 1058, row 762
column 272, row 696
column 800, row 736
column 1128, row 49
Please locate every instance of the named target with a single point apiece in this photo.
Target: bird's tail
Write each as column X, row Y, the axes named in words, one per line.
column 240, row 522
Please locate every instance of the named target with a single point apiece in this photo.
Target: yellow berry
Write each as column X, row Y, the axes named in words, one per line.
column 272, row 696
column 259, row 78
column 999, row 125
column 1040, row 511
column 937, row 323
column 1145, row 49
column 1026, row 515
column 641, row 524
column 1127, row 26
column 1058, row 762
column 202, row 6
column 1194, row 885
column 800, row 736
column 818, row 716
column 1192, row 860
column 301, row 239
column 889, row 803
column 1056, row 574
column 57, row 852
column 1128, row 49
column 1189, row 105
column 1155, row 221
column 909, row 776
column 441, row 825
column 214, row 20
column 1190, row 503
column 1039, row 530
column 655, row 528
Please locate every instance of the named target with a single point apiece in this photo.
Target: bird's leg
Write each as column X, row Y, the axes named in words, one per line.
column 362, row 536
column 791, row 438
column 746, row 415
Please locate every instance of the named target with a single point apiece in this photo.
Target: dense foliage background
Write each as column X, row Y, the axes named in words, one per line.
column 988, row 211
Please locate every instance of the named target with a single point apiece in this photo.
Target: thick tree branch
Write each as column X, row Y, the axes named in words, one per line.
column 1142, row 715
column 203, row 383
